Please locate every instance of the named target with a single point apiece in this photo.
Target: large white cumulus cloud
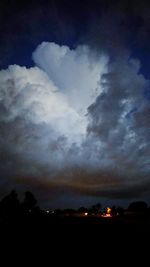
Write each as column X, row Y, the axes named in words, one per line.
column 43, row 110
column 76, row 72
column 30, row 94
column 75, row 121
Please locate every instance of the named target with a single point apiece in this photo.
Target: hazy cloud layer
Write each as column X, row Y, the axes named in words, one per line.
column 76, row 123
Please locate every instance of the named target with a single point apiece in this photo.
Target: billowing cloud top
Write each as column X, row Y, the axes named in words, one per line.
column 75, row 72
column 76, row 124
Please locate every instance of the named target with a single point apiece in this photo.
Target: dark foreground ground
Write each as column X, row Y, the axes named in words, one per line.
column 76, row 227
column 77, row 240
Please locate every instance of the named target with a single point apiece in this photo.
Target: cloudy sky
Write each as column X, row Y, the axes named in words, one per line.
column 75, row 101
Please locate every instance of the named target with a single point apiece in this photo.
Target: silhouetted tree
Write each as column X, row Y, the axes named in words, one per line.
column 138, row 206
column 10, row 205
column 29, row 203
column 82, row 209
column 120, row 211
column 113, row 211
column 96, row 208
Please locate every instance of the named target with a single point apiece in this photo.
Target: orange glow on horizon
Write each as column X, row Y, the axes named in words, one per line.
column 106, row 215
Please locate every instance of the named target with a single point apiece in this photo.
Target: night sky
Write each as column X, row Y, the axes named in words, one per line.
column 75, row 101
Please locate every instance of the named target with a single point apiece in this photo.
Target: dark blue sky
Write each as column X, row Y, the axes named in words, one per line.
column 25, row 24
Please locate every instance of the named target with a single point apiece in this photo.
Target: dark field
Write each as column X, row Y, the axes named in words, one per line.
column 77, row 228
column 74, row 240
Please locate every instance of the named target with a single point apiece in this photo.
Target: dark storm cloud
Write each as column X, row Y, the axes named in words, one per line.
column 120, row 116
column 86, row 189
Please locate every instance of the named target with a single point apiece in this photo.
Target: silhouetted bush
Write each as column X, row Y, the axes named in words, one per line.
column 138, row 206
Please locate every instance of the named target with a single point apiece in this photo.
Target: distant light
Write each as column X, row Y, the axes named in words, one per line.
column 47, row 211
column 108, row 210
column 29, row 210
column 52, row 212
column 86, row 213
